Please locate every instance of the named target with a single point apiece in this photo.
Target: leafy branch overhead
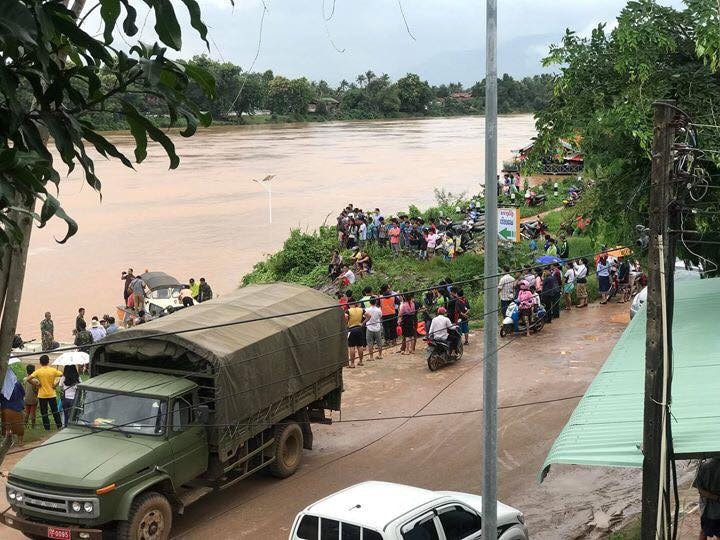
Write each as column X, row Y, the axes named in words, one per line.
column 54, row 79
column 602, row 101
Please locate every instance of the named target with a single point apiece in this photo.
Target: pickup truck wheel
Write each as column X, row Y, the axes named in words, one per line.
column 150, row 518
column 288, row 450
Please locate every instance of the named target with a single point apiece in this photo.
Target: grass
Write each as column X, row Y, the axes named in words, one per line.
column 629, row 532
column 37, row 433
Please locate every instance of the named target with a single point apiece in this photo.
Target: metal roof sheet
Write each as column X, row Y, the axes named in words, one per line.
column 606, row 427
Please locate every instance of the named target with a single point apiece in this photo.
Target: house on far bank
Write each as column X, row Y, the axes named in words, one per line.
column 323, row 105
column 567, row 161
column 461, row 96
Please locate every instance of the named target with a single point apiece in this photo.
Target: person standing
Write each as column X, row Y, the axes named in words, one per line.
column 462, row 308
column 80, row 319
column 47, row 397
column 47, row 332
column 83, row 338
column 31, row 395
column 552, row 248
column 394, row 235
column 707, row 482
column 408, row 323
column 68, row 385
column 12, row 403
column 356, row 337
column 603, row 274
column 382, row 232
column 111, row 327
column 373, row 328
column 137, row 286
column 624, row 279
column 388, row 307
column 365, row 300
column 506, row 289
column 205, row 293
column 127, row 278
column 194, row 287
column 550, row 293
column 580, row 267
column 557, row 274
column 569, row 285
column 563, row 250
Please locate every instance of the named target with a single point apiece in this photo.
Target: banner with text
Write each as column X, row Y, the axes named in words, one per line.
column 509, row 224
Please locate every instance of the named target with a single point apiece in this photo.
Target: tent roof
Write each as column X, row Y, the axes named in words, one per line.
column 251, row 302
column 159, row 280
column 606, row 427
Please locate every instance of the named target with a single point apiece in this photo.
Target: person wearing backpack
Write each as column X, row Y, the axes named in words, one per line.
column 68, row 385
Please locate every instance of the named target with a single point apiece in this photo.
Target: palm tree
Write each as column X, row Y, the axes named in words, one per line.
column 360, row 79
column 369, row 75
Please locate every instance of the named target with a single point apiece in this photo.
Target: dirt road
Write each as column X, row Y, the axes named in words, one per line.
column 541, row 379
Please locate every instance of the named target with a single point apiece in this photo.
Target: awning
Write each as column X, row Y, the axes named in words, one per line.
column 606, row 427
column 159, row 280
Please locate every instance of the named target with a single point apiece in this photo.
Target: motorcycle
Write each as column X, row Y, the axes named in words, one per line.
column 535, row 199
column 537, row 323
column 440, row 353
column 533, row 229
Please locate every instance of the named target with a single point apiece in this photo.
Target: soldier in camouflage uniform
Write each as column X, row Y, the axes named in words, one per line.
column 47, row 332
column 83, row 337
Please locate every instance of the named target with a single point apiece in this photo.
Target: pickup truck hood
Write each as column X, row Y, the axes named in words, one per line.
column 81, row 458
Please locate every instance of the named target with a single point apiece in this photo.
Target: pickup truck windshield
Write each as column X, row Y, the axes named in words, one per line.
column 130, row 414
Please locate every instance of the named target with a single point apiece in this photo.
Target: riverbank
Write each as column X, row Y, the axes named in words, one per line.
column 304, row 256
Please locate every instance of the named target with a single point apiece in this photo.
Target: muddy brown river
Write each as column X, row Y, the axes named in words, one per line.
column 208, row 219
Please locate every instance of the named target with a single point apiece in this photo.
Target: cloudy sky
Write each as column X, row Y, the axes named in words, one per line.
column 370, row 34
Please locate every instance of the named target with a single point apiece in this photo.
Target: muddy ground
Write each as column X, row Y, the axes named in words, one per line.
column 541, row 381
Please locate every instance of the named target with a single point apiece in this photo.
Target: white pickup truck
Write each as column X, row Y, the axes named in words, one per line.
column 385, row 511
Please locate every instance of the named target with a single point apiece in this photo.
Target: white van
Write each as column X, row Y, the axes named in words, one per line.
column 385, row 511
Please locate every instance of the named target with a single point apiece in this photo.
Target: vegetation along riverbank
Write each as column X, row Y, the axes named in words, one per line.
column 305, row 255
column 256, row 98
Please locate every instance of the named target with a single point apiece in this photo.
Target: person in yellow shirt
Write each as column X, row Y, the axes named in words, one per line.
column 194, row 287
column 47, row 397
column 356, row 317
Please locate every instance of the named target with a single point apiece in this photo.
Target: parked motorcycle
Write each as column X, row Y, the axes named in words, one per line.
column 533, row 229
column 537, row 323
column 440, row 353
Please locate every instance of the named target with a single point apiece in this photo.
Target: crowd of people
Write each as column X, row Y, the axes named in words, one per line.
column 135, row 291
column 541, row 292
column 403, row 234
column 20, row 399
column 378, row 319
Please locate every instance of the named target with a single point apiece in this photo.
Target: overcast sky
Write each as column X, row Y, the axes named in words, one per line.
column 448, row 45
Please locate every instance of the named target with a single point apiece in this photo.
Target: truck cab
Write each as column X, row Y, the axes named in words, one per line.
column 129, row 432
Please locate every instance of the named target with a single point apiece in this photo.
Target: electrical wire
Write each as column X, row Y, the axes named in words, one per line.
column 105, row 341
column 118, row 428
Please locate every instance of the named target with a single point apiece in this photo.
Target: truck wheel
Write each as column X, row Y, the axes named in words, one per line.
column 150, row 519
column 288, row 450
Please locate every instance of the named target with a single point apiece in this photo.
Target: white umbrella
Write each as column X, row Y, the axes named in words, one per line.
column 13, row 360
column 72, row 358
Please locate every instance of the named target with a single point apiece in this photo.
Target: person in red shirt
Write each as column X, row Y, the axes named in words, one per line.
column 342, row 300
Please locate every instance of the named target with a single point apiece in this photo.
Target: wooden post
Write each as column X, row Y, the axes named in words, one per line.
column 661, row 194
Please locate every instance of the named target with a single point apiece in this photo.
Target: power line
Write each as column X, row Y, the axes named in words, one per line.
column 293, row 313
column 407, row 26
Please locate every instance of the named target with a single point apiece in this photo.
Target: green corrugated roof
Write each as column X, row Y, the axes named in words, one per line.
column 606, row 427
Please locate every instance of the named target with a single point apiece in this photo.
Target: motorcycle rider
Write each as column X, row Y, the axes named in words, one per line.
column 439, row 330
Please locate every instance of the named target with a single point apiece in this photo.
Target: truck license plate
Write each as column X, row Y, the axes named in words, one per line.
column 59, row 534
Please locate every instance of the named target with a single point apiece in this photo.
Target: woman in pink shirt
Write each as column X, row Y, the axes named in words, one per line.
column 394, row 234
column 408, row 323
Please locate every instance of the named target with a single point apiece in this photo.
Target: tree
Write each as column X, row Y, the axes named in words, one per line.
column 285, row 96
column 415, row 95
column 53, row 77
column 603, row 99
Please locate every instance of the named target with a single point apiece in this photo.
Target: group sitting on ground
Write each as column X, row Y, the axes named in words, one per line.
column 376, row 321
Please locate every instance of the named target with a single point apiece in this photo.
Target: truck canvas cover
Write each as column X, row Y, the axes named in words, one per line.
column 244, row 367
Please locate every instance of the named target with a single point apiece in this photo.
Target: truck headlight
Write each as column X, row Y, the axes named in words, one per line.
column 88, row 507
column 11, row 494
column 19, row 497
column 76, row 507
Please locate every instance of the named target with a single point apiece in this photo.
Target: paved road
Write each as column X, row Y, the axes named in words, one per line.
column 540, row 381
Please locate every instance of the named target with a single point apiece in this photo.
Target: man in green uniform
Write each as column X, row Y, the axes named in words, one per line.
column 47, row 332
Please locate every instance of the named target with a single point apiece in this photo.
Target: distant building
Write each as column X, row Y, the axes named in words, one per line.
column 568, row 160
column 461, row 96
column 329, row 104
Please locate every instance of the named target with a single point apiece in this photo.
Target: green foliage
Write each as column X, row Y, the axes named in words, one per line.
column 415, row 94
column 286, row 96
column 604, row 98
column 54, row 76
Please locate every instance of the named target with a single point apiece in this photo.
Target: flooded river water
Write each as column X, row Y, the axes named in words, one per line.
column 208, row 219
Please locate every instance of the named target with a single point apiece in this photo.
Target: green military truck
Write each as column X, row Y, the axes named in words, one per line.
column 177, row 414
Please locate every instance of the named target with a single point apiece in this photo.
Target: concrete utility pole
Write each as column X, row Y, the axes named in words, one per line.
column 489, row 501
column 658, row 345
